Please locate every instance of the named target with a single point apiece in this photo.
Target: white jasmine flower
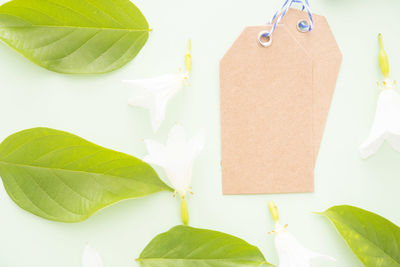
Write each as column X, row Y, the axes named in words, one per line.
column 91, row 258
column 290, row 252
column 386, row 126
column 155, row 93
column 176, row 158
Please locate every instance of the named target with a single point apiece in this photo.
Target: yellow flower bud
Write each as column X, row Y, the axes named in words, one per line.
column 188, row 57
column 184, row 211
column 274, row 211
column 383, row 58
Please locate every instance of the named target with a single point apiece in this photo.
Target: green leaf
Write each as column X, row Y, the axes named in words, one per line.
column 372, row 238
column 74, row 36
column 190, row 247
column 62, row 177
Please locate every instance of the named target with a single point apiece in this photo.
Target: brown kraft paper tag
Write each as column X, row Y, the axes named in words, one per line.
column 321, row 45
column 274, row 104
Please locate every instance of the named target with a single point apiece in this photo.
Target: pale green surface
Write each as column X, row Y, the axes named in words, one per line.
column 95, row 107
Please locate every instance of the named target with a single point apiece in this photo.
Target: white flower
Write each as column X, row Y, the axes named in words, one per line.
column 91, row 258
column 386, row 126
column 290, row 252
column 155, row 93
column 176, row 157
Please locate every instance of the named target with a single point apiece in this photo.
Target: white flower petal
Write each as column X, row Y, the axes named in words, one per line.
column 155, row 93
column 176, row 136
column 158, row 84
column 176, row 157
column 386, row 124
column 142, row 99
column 290, row 252
column 315, row 255
column 154, row 147
column 91, row 258
column 197, row 144
column 157, row 153
column 394, row 141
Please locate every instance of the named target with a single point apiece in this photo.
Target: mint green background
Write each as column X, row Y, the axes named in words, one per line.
column 95, row 107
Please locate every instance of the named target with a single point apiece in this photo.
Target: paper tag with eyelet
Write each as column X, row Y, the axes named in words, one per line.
column 327, row 58
column 274, row 103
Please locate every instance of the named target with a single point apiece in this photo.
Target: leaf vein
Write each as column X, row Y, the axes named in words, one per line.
column 27, row 197
column 56, row 41
column 104, row 13
column 137, row 40
column 75, row 49
column 35, row 10
column 122, row 11
column 90, row 173
column 50, row 197
column 72, row 189
column 82, row 158
column 58, row 150
column 107, row 49
column 73, row 11
column 27, row 143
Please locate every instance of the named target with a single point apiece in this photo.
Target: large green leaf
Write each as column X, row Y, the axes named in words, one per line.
column 62, row 177
column 74, row 36
column 374, row 239
column 190, row 247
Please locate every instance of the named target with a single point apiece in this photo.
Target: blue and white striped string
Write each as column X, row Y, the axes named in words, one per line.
column 280, row 13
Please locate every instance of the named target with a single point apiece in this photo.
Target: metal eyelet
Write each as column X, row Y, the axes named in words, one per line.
column 267, row 39
column 303, row 25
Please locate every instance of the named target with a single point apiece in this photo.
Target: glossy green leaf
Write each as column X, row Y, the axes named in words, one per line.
column 190, row 247
column 74, row 36
column 372, row 238
column 62, row 177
